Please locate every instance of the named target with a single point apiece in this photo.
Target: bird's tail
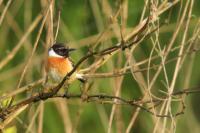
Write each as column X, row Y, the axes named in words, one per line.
column 80, row 77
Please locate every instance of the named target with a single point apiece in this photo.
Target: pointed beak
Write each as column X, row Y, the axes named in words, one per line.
column 71, row 49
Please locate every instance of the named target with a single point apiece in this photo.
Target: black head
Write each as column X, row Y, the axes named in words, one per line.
column 61, row 50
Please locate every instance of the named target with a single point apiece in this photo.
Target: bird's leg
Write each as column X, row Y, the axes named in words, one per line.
column 45, row 84
column 84, row 90
column 66, row 87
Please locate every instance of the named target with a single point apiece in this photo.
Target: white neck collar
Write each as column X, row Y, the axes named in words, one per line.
column 52, row 53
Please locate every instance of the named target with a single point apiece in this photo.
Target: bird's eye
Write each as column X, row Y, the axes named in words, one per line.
column 62, row 52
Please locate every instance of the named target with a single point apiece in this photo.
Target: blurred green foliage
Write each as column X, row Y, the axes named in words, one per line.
column 77, row 22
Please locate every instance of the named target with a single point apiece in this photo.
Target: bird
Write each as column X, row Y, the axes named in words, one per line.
column 59, row 64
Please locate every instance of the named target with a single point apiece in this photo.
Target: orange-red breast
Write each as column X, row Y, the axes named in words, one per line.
column 59, row 63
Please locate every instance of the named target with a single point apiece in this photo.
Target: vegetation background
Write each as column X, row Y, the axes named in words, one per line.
column 28, row 28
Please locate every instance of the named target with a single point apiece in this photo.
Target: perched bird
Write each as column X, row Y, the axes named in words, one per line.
column 59, row 63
